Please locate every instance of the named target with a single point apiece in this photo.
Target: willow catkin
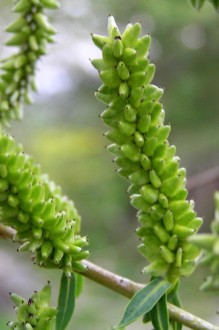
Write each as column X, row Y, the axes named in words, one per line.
column 210, row 245
column 34, row 313
column 31, row 33
column 139, row 142
column 46, row 222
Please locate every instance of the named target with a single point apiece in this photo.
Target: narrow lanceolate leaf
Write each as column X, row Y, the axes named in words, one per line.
column 79, row 284
column 159, row 314
column 174, row 299
column 66, row 301
column 144, row 300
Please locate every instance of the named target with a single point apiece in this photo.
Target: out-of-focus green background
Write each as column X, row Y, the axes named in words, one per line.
column 63, row 131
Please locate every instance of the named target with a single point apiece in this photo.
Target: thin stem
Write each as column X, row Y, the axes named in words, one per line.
column 128, row 288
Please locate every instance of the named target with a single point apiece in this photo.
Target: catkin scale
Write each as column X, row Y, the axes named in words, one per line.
column 144, row 155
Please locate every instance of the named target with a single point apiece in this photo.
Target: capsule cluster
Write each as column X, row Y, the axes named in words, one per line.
column 210, row 245
column 139, row 142
column 31, row 34
column 34, row 313
column 46, row 222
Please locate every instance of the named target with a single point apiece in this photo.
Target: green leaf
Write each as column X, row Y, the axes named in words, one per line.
column 79, row 284
column 159, row 314
column 146, row 318
column 197, row 3
column 144, row 300
column 173, row 298
column 215, row 3
column 66, row 301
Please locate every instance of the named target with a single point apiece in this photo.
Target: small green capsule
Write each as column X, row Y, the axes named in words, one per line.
column 108, row 56
column 157, row 212
column 37, row 221
column 37, row 232
column 115, row 149
column 23, row 217
column 145, row 162
column 17, row 300
column 154, row 178
column 170, row 168
column 46, row 249
column 150, row 73
column 13, row 201
column 124, row 90
column 139, row 177
column 110, row 77
column 113, row 29
column 126, row 128
column 99, row 64
column 172, row 243
column 136, row 95
column 129, row 113
column 105, row 98
column 129, row 56
column 179, row 255
column 142, row 45
column 116, row 136
column 22, row 6
column 152, row 92
column 144, row 123
column 18, row 39
column 17, row 25
column 149, row 146
column 24, row 247
column 131, row 34
column 204, row 241
column 137, row 79
column 179, row 208
column 139, row 203
column 22, row 313
column 182, row 231
column 168, row 220
column 99, row 40
column 50, row 4
column 3, row 185
column 163, row 133
column 161, row 233
column 57, row 256
column 171, row 186
column 123, row 71
column 145, row 219
column 139, row 139
column 131, row 152
column 167, row 255
column 117, row 47
column 156, row 268
column 149, row 193
column 163, row 200
column 145, row 108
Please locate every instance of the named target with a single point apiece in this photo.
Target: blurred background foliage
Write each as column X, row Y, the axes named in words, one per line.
column 63, row 131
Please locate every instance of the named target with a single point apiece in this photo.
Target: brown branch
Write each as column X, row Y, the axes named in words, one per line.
column 128, row 288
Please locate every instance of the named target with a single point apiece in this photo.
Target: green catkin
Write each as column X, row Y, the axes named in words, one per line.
column 46, row 222
column 210, row 245
column 34, row 313
column 143, row 154
column 31, row 33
